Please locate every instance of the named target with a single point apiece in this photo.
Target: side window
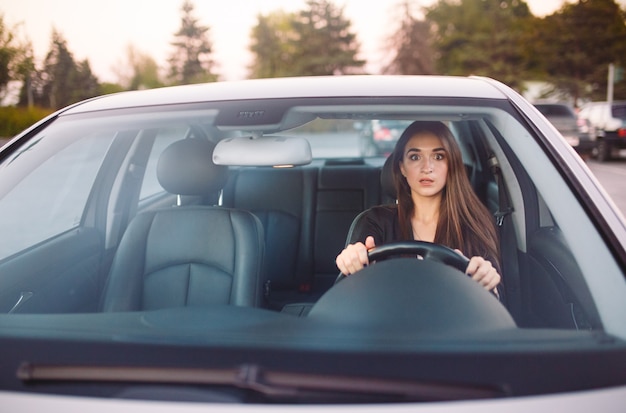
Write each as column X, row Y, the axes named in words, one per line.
column 51, row 198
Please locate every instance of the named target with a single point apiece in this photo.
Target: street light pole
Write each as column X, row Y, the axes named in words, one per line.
column 610, row 81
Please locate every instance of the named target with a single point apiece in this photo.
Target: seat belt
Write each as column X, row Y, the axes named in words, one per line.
column 508, row 245
column 504, row 208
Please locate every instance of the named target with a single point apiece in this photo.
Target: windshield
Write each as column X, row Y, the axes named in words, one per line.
column 128, row 247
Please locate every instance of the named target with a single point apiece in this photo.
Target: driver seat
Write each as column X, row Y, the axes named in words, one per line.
column 188, row 255
column 389, row 194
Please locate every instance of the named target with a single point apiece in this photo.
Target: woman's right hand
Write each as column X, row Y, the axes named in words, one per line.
column 354, row 257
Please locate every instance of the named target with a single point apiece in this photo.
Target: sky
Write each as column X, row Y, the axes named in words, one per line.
column 102, row 34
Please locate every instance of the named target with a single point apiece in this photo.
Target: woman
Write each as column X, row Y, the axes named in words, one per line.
column 436, row 203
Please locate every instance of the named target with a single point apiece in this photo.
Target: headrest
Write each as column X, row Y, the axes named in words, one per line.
column 386, row 179
column 186, row 168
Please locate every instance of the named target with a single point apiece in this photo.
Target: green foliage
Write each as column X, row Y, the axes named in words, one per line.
column 324, row 44
column 481, row 37
column 313, row 42
column 107, row 88
column 325, row 126
column 272, row 44
column 571, row 49
column 191, row 61
column 414, row 54
column 61, row 82
column 577, row 44
column 13, row 120
column 7, row 55
column 16, row 58
column 142, row 71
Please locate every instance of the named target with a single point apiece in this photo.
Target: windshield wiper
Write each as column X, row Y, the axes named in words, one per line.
column 274, row 385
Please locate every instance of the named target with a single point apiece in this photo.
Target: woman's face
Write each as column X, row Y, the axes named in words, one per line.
column 425, row 165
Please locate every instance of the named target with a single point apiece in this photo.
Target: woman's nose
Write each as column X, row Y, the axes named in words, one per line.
column 427, row 166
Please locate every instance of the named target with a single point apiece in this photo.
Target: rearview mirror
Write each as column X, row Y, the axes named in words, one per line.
column 262, row 151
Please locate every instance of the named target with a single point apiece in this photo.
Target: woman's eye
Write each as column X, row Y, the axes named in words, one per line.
column 414, row 157
column 439, row 156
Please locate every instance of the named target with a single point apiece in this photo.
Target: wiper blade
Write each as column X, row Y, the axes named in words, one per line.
column 271, row 384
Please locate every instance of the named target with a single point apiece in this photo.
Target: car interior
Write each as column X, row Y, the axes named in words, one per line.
column 164, row 226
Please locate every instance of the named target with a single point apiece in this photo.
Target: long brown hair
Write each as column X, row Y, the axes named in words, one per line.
column 464, row 221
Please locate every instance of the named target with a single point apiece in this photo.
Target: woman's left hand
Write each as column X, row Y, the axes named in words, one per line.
column 483, row 272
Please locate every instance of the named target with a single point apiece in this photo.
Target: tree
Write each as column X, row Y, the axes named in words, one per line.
column 411, row 43
column 139, row 72
column 191, row 60
column 16, row 57
column 315, row 41
column 323, row 43
column 62, row 81
column 482, row 37
column 58, row 67
column 576, row 45
column 84, row 83
column 272, row 45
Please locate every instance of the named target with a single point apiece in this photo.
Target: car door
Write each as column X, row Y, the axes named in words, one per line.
column 51, row 248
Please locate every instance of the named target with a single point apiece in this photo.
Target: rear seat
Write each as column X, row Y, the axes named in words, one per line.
column 282, row 200
column 343, row 191
column 306, row 212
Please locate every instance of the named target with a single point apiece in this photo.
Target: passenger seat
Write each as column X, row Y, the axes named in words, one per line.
column 188, row 255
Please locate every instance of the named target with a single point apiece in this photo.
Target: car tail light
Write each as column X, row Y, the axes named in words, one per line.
column 382, row 134
column 621, row 132
column 583, row 125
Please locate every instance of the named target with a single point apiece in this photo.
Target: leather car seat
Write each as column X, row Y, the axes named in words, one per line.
column 188, row 255
column 389, row 196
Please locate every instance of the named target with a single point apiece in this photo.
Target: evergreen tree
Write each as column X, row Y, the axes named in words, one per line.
column 84, row 83
column 272, row 43
column 191, row 61
column 139, row 72
column 57, row 74
column 61, row 81
column 413, row 54
column 324, row 44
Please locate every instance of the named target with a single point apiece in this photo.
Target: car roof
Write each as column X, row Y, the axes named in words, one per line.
column 307, row 87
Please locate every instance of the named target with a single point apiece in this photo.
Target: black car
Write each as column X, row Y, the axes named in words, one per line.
column 574, row 129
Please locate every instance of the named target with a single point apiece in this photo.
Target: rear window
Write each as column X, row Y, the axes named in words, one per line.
column 619, row 111
column 556, row 110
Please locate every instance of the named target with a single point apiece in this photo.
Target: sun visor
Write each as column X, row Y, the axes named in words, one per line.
column 263, row 151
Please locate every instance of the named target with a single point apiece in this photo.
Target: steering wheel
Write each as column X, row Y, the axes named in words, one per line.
column 412, row 296
column 427, row 250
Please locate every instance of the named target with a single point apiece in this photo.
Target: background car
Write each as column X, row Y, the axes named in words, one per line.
column 574, row 128
column 379, row 136
column 174, row 249
column 608, row 125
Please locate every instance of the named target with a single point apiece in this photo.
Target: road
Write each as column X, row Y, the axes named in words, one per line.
column 612, row 176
